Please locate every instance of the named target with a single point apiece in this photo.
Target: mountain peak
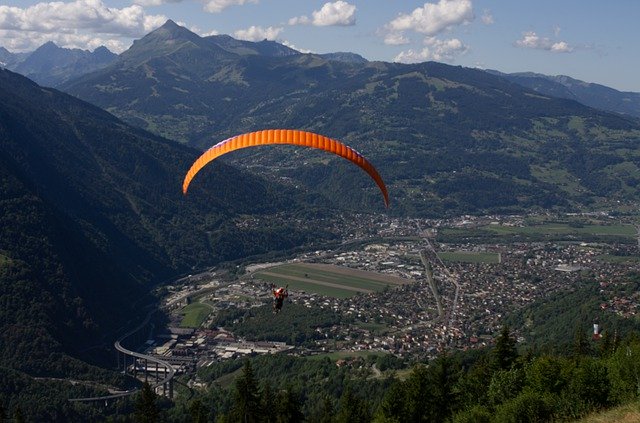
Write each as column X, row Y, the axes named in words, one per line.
column 171, row 30
column 48, row 46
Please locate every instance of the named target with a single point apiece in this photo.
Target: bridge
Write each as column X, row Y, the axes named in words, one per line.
column 139, row 361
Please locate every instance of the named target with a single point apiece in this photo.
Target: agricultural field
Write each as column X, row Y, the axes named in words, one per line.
column 565, row 228
column 194, row 315
column 329, row 280
column 547, row 230
column 469, row 257
column 619, row 259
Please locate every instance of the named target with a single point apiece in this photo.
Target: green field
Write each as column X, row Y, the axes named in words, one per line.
column 194, row 315
column 340, row 355
column 469, row 257
column 548, row 229
column 332, row 281
column 619, row 259
column 564, row 228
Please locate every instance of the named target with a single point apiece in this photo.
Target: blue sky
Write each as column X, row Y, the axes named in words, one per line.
column 591, row 40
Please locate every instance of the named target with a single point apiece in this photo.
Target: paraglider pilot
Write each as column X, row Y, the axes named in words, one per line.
column 279, row 295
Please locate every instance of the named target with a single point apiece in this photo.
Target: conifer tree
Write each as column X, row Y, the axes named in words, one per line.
column 145, row 408
column 353, row 409
column 505, row 352
column 246, row 399
column 268, row 404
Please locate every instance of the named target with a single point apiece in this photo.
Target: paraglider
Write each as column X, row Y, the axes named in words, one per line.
column 285, row 136
column 279, row 295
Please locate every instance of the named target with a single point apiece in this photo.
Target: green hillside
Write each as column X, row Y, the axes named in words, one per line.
column 92, row 215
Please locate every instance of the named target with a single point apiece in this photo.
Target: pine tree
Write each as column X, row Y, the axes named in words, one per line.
column 327, row 412
column 145, row 408
column 505, row 352
column 268, row 404
column 246, row 399
column 198, row 412
column 353, row 409
column 581, row 346
column 289, row 407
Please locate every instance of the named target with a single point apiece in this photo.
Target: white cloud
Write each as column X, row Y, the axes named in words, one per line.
column 436, row 49
column 531, row 40
column 258, row 33
column 290, row 45
column 79, row 23
column 395, row 39
column 154, row 2
column 434, row 18
column 17, row 41
column 217, row 6
column 338, row 13
column 487, row 17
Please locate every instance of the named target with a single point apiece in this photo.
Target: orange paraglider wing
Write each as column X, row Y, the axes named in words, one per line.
column 285, row 136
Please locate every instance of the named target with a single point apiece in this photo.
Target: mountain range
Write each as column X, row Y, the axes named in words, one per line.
column 447, row 139
column 50, row 65
column 593, row 95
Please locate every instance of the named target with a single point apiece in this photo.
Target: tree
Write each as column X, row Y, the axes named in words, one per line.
column 443, row 376
column 581, row 346
column 505, row 352
column 327, row 412
column 145, row 408
column 268, row 404
column 505, row 385
column 353, row 409
column 528, row 407
column 198, row 412
column 246, row 399
column 289, row 407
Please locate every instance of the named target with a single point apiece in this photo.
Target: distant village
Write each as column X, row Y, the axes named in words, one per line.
column 404, row 320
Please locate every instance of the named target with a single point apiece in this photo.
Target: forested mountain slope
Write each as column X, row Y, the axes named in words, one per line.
column 92, row 214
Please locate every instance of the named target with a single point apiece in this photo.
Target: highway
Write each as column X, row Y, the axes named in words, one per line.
column 169, row 374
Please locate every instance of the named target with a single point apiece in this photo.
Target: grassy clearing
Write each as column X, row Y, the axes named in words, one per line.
column 340, row 355
column 629, row 413
column 469, row 257
column 619, row 259
column 334, row 281
column 329, row 291
column 376, row 328
column 564, row 228
column 194, row 315
column 227, row 380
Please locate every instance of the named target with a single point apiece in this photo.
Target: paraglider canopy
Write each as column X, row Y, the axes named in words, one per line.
column 285, row 136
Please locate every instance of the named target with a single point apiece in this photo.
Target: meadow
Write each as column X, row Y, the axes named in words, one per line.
column 194, row 315
column 469, row 257
column 329, row 280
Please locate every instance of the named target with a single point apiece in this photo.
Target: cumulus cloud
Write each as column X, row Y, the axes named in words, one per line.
column 79, row 23
column 258, row 33
column 217, row 6
column 395, row 39
column 338, row 13
column 435, row 49
column 154, row 2
column 531, row 40
column 487, row 17
column 434, row 18
column 290, row 45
